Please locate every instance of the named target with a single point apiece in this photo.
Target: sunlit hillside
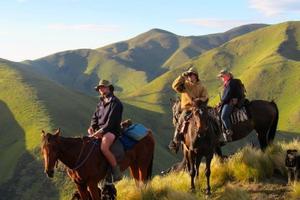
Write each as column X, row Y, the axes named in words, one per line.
column 266, row 60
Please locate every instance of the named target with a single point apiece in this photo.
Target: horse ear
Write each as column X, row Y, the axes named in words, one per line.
column 57, row 133
column 43, row 133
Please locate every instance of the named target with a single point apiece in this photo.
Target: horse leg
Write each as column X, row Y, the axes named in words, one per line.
column 134, row 171
column 198, row 162
column 143, row 171
column 84, row 193
column 207, row 173
column 192, row 169
column 262, row 138
column 94, row 190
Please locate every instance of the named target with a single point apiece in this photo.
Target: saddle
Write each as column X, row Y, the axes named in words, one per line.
column 239, row 115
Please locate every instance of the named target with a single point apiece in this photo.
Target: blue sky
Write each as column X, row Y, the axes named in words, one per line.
column 30, row 29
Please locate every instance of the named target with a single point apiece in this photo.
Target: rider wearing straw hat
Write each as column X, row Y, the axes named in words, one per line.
column 105, row 123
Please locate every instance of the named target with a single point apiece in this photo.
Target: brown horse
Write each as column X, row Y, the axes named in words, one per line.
column 201, row 140
column 87, row 165
column 263, row 118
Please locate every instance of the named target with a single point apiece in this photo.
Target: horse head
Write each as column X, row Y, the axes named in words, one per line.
column 50, row 151
column 200, row 118
column 176, row 110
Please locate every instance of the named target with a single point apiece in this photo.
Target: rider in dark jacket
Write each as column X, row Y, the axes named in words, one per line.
column 105, row 123
column 232, row 94
column 108, row 115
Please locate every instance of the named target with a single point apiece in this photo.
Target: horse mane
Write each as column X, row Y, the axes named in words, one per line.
column 70, row 141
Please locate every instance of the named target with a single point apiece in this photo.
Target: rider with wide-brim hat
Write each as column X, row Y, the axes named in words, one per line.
column 190, row 87
column 105, row 123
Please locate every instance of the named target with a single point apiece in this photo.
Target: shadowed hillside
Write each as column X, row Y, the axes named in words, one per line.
column 57, row 91
column 29, row 103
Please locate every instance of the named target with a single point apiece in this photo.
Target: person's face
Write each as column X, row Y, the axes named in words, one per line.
column 103, row 90
column 192, row 77
column 225, row 77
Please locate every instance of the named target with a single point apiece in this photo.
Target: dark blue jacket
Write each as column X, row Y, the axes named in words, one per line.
column 108, row 116
column 233, row 89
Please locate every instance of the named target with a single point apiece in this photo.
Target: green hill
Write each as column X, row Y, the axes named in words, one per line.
column 29, row 103
column 141, row 58
column 267, row 61
column 57, row 91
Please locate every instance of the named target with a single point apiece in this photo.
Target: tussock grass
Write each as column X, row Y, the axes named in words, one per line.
column 295, row 193
column 173, row 186
column 231, row 192
column 247, row 165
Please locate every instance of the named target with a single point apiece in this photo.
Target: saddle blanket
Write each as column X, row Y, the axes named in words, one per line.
column 136, row 131
column 239, row 115
column 132, row 135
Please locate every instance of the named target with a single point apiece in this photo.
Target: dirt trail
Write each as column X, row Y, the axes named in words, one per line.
column 272, row 189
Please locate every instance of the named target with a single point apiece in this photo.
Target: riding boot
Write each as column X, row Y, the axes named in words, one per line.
column 174, row 146
column 175, row 143
column 228, row 135
column 116, row 173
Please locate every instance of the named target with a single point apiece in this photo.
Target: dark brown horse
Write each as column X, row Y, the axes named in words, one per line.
column 201, row 140
column 263, row 118
column 87, row 165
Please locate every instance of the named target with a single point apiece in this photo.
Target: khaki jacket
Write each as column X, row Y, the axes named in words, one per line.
column 189, row 91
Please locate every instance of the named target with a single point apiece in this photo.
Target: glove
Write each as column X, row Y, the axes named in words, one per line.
column 185, row 74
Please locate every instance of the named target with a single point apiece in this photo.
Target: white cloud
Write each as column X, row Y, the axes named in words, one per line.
column 275, row 7
column 84, row 27
column 215, row 23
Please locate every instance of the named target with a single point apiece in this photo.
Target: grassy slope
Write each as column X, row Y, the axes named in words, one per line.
column 247, row 174
column 259, row 59
column 129, row 64
column 30, row 103
column 256, row 58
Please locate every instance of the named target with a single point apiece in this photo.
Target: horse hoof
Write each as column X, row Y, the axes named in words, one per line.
column 208, row 192
column 192, row 190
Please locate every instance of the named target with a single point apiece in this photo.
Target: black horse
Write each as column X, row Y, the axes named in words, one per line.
column 263, row 118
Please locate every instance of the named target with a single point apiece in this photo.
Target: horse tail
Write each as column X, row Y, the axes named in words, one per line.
column 273, row 128
column 149, row 169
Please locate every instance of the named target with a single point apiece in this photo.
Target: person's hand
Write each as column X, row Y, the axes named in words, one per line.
column 185, row 74
column 98, row 134
column 219, row 104
column 91, row 131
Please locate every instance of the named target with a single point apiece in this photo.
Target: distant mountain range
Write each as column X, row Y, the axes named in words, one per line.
column 57, row 90
column 142, row 58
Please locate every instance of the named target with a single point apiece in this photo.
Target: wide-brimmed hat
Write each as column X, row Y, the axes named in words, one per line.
column 192, row 70
column 224, row 72
column 105, row 83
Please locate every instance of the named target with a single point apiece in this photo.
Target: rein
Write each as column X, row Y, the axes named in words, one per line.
column 79, row 164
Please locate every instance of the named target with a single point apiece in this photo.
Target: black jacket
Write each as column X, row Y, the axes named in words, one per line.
column 108, row 116
column 233, row 89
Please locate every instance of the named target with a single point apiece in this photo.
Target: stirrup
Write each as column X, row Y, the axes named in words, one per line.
column 227, row 137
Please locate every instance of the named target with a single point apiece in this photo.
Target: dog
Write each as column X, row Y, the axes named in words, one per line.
column 292, row 163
